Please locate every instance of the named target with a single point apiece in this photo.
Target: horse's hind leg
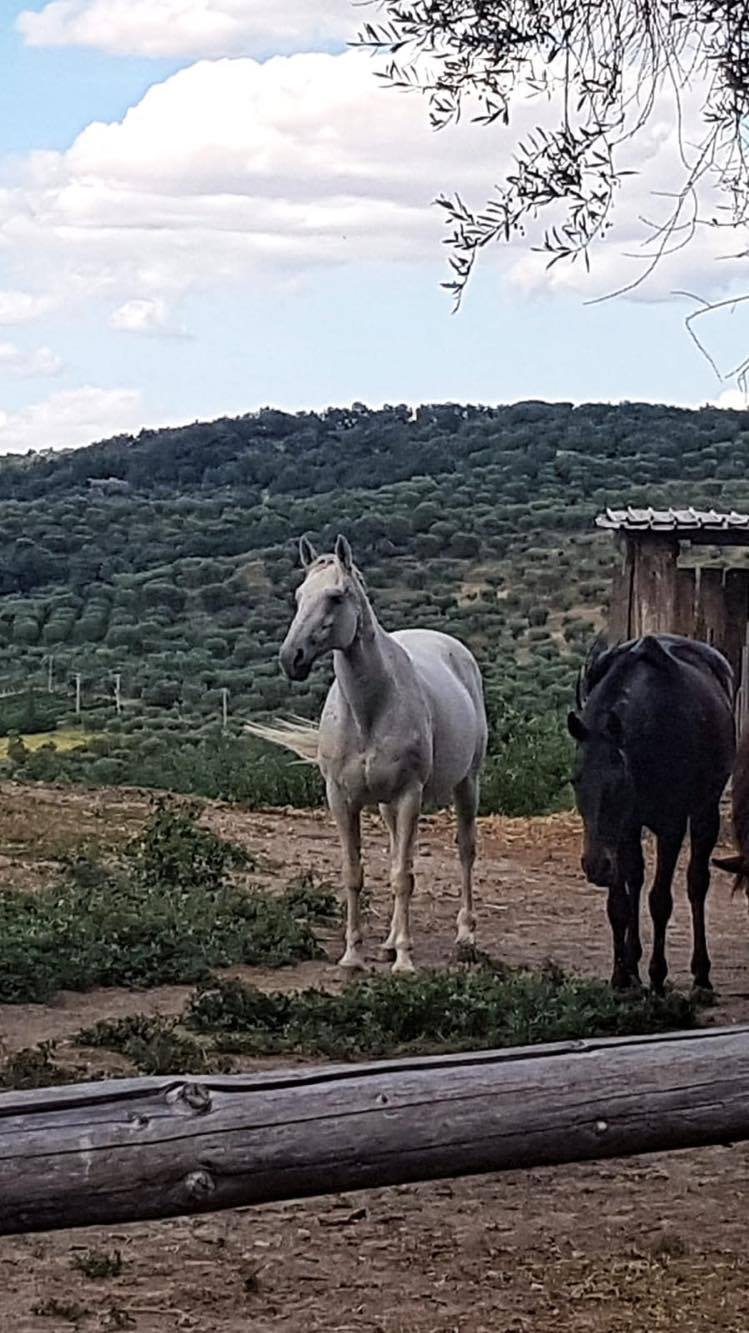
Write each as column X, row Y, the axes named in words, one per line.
column 348, row 822
column 661, row 903
column 704, row 832
column 466, row 805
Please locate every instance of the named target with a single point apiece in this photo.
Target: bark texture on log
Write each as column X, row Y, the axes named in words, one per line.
column 128, row 1150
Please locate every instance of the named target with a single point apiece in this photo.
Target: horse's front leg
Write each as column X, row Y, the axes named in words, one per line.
column 662, row 903
column 348, row 822
column 387, row 948
column 404, row 813
column 633, row 868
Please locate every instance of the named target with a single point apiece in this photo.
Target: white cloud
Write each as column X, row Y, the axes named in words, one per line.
column 148, row 315
column 736, row 398
column 235, row 172
column 189, row 27
column 22, row 307
column 70, row 418
column 41, row 362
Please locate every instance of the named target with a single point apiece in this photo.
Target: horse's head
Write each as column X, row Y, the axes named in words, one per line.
column 604, row 793
column 328, row 609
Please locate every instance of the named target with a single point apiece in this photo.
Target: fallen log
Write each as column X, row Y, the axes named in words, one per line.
column 132, row 1149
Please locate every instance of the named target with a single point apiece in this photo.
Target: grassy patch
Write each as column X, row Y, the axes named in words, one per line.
column 381, row 1016
column 34, row 1067
column 70, row 1312
column 98, row 1264
column 170, row 913
column 65, row 739
column 155, row 1045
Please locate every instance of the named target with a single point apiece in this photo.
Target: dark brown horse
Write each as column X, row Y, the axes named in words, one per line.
column 656, row 743
column 739, row 865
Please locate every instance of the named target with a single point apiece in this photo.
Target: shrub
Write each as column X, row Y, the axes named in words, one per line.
column 154, row 920
column 383, row 1015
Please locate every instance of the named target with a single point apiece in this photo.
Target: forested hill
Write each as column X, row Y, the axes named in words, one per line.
column 169, row 559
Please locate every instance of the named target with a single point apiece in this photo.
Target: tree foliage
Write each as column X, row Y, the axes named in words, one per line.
column 473, row 520
column 600, row 67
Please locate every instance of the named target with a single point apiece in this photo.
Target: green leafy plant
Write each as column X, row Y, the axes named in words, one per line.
column 98, row 1264
column 435, row 1011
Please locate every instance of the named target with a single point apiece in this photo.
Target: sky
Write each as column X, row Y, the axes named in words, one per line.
column 211, row 206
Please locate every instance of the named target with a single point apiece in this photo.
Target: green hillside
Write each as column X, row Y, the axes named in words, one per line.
column 170, row 560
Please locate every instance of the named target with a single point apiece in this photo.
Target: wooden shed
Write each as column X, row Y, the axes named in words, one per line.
column 667, row 582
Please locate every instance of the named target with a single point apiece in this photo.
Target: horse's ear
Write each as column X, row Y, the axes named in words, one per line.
column 615, row 727
column 344, row 554
column 577, row 728
column 307, row 553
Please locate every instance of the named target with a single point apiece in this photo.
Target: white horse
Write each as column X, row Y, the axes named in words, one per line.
column 403, row 725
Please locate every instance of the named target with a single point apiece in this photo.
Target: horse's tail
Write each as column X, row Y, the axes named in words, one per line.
column 295, row 734
column 739, row 868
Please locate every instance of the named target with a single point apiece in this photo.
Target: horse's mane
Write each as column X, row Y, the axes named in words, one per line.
column 604, row 658
column 325, row 561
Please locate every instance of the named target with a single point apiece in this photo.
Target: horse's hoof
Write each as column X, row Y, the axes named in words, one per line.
column 386, row 954
column 703, row 994
column 403, row 967
column 465, row 951
column 352, row 962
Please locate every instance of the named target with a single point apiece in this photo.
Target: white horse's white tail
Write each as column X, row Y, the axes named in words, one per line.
column 295, row 734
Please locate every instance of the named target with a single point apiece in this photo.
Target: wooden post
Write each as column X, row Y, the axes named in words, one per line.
column 654, row 586
column 620, row 612
column 710, row 625
column 686, row 593
column 736, row 601
column 132, row 1149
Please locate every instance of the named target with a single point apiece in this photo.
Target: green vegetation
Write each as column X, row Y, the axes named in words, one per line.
column 98, row 1264
column 34, row 1067
column 477, row 521
column 386, row 1015
column 169, row 911
column 466, row 1010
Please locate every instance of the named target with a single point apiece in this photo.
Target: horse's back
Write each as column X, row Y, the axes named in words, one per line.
column 449, row 676
column 679, row 727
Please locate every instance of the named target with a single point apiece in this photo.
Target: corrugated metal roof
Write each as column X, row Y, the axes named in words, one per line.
column 671, row 520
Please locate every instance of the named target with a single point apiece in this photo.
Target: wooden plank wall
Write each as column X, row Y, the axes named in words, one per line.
column 653, row 605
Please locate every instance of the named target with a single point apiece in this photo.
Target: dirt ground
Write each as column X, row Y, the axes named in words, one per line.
column 649, row 1244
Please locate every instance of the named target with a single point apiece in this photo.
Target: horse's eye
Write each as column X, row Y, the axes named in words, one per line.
column 335, row 598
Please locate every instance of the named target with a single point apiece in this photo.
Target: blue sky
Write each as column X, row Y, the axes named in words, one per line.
column 209, row 207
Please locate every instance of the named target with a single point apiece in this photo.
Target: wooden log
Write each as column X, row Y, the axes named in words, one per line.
column 128, row 1150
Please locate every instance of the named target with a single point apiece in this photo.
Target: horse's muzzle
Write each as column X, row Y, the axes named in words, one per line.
column 599, row 870
column 295, row 663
